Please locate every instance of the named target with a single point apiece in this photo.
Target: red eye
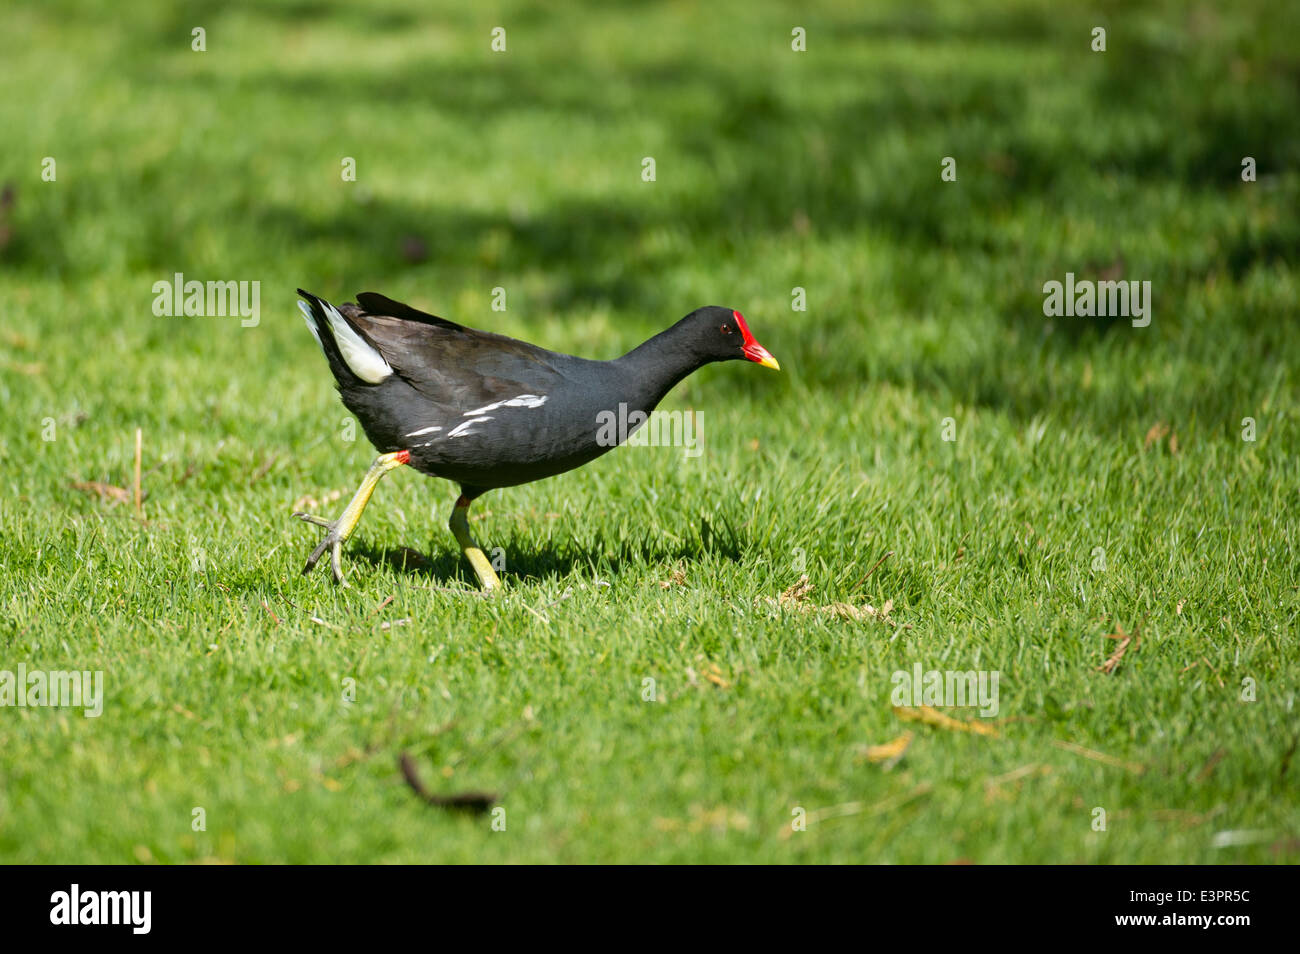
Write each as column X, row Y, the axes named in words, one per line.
column 726, row 329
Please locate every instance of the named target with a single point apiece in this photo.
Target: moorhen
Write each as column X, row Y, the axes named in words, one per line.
column 488, row 411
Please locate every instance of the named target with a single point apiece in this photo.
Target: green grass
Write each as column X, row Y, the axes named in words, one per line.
column 225, row 668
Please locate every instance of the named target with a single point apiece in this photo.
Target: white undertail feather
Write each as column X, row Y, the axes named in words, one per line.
column 363, row 360
column 311, row 322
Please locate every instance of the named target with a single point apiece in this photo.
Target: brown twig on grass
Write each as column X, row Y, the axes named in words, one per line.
column 460, row 801
column 271, row 613
column 139, row 440
column 866, row 576
column 263, row 469
column 1286, row 758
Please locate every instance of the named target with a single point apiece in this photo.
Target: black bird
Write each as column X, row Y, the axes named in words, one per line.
column 488, row 411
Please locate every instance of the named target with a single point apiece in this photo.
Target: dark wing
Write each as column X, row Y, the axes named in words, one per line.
column 450, row 364
column 372, row 303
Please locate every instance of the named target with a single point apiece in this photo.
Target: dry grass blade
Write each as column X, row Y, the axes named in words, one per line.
column 928, row 715
column 889, row 752
column 139, row 448
column 1113, row 660
column 796, row 592
column 109, row 492
column 1102, row 757
column 847, row 809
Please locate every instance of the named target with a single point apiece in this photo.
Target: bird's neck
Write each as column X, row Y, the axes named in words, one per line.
column 653, row 369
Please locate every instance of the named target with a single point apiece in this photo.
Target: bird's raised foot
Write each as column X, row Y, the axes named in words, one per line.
column 338, row 531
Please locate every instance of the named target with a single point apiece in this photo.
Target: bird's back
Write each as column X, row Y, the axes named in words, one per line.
column 479, row 408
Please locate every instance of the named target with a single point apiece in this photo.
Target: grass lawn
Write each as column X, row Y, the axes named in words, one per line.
column 1101, row 478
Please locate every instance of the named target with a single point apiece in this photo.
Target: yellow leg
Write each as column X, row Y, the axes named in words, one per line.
column 339, row 530
column 459, row 524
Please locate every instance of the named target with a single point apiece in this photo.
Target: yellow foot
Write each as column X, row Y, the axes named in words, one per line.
column 338, row 531
column 459, row 524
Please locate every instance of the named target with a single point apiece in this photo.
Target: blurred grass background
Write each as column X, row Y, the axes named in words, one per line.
column 775, row 169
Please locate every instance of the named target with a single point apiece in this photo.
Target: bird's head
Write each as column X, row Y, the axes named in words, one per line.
column 721, row 334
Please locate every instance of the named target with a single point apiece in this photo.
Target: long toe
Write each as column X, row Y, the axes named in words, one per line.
column 336, row 562
column 327, row 543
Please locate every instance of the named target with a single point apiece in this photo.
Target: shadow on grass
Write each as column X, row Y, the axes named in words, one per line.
column 548, row 562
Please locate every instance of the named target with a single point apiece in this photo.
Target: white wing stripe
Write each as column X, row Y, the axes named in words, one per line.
column 524, row 400
column 462, row 430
